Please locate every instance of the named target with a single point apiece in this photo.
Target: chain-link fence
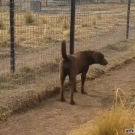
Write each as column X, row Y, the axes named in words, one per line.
column 42, row 25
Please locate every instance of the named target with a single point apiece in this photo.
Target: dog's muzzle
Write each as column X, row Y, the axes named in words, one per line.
column 104, row 62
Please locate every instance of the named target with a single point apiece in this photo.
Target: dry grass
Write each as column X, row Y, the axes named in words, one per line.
column 29, row 88
column 34, row 30
column 28, row 74
column 4, row 113
column 29, row 19
column 1, row 25
column 111, row 122
column 30, row 98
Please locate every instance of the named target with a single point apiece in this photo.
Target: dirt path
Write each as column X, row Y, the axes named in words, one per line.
column 53, row 117
column 50, row 55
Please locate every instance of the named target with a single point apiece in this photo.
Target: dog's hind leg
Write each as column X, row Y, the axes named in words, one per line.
column 62, row 79
column 73, row 86
column 83, row 77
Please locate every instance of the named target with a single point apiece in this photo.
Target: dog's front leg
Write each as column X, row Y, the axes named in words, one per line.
column 83, row 77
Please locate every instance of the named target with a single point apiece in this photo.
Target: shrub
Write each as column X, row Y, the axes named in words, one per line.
column 29, row 19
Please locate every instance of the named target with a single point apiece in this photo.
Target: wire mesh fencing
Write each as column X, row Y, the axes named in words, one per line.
column 41, row 25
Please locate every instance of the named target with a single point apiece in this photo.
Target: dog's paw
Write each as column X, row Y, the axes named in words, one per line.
column 72, row 102
column 75, row 91
column 83, row 92
column 62, row 100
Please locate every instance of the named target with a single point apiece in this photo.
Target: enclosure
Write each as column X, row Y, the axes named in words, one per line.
column 39, row 28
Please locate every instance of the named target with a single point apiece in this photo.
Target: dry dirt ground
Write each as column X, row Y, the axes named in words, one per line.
column 53, row 117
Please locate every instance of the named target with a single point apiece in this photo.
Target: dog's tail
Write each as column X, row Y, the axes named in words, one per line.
column 63, row 50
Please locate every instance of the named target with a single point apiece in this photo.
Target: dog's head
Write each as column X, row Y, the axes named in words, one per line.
column 98, row 58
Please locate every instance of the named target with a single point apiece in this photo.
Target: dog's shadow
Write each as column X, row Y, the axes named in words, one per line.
column 93, row 99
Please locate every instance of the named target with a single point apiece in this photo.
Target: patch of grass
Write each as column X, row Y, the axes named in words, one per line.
column 58, row 25
column 49, row 67
column 31, row 98
column 3, row 109
column 4, row 43
column 24, row 76
column 118, row 47
column 29, row 19
column 2, row 25
column 62, row 18
column 85, row 25
column 99, row 16
column 44, row 21
column 57, row 60
column 66, row 33
column 65, row 26
column 27, row 75
column 113, row 122
column 94, row 22
column 6, row 86
column 26, row 70
column 2, row 87
column 4, row 113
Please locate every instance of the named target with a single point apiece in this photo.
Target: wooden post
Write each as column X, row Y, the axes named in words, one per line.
column 128, row 16
column 72, row 26
column 46, row 3
column 12, row 51
column 0, row 3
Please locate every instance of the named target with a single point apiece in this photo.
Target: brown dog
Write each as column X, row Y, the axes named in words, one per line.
column 75, row 64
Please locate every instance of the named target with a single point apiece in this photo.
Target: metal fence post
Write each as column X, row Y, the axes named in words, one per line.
column 128, row 16
column 72, row 26
column 12, row 51
column 0, row 3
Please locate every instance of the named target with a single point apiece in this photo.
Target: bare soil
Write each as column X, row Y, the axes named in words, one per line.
column 53, row 117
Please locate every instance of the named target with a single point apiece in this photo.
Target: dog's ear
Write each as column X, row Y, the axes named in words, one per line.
column 95, row 57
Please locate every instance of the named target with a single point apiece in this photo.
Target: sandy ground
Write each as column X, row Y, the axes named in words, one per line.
column 53, row 117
